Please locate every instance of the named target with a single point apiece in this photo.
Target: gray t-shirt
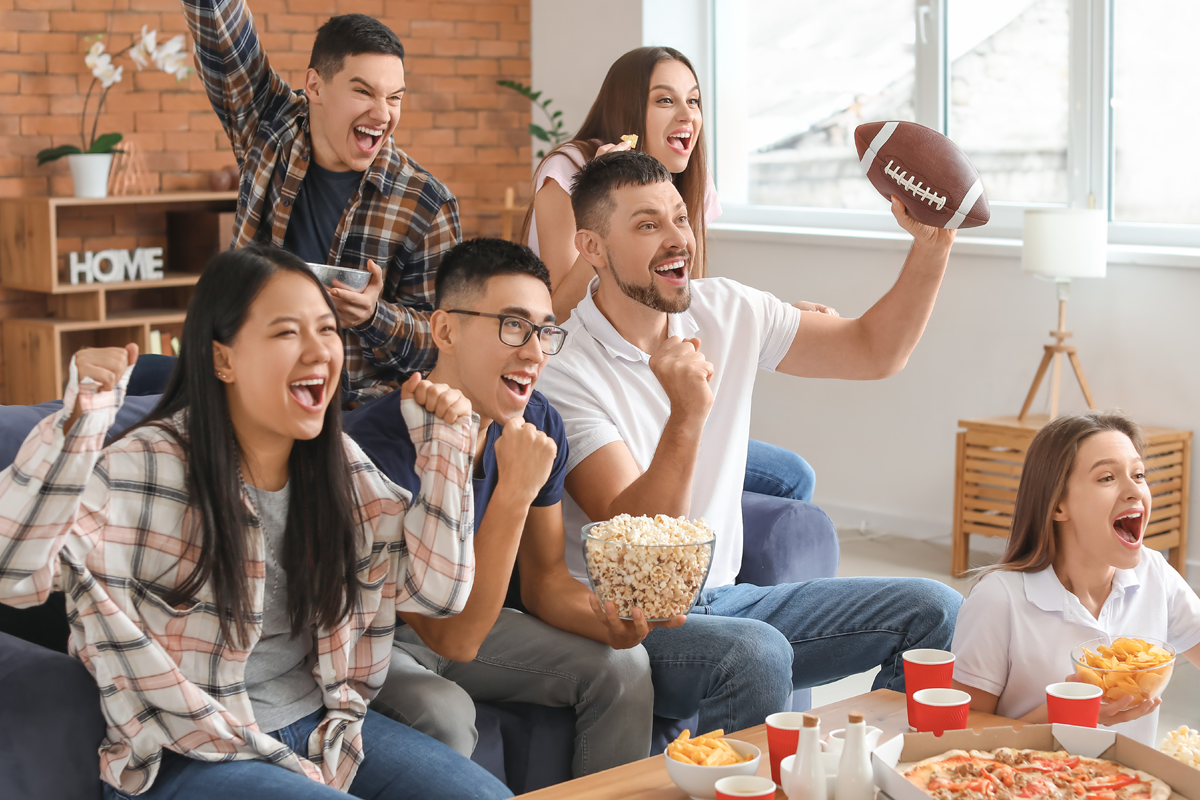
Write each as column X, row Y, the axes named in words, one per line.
column 279, row 671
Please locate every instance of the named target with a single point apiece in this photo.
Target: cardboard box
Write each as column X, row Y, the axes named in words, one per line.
column 1093, row 743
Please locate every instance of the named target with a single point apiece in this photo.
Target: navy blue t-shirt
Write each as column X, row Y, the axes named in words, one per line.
column 320, row 202
column 379, row 429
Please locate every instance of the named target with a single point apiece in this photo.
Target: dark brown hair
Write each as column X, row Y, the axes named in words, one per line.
column 320, row 550
column 619, row 109
column 592, row 189
column 1032, row 545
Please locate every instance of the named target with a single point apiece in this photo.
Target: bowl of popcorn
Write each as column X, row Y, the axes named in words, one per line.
column 656, row 564
column 1123, row 666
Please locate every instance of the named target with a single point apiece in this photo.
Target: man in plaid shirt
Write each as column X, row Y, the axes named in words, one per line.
column 321, row 176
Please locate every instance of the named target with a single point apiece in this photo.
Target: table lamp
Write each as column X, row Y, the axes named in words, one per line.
column 1060, row 244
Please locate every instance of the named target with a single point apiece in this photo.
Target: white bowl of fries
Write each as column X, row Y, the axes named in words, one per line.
column 697, row 764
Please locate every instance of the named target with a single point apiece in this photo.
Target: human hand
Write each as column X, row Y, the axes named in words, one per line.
column 105, row 365
column 626, row 633
column 524, row 458
column 356, row 309
column 804, row 305
column 922, row 234
column 612, row 148
column 437, row 398
column 684, row 374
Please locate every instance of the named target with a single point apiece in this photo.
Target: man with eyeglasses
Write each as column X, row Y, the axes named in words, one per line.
column 529, row 632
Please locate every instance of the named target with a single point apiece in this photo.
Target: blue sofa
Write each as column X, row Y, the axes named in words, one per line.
column 50, row 719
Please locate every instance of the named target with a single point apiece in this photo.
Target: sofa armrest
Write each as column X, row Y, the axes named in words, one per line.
column 51, row 724
column 785, row 541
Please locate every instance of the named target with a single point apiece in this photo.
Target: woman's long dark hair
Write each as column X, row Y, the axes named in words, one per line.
column 1033, row 545
column 320, row 547
column 620, row 108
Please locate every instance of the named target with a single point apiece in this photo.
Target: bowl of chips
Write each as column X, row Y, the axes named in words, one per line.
column 1124, row 666
column 696, row 764
column 356, row 279
column 656, row 564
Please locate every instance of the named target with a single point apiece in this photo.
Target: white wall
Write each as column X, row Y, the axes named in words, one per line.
column 884, row 451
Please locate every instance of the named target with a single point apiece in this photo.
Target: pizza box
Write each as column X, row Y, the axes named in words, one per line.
column 1089, row 742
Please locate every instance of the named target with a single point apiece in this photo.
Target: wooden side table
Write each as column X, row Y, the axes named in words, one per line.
column 987, row 471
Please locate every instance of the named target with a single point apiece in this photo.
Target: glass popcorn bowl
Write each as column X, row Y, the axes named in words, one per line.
column 1112, row 663
column 663, row 580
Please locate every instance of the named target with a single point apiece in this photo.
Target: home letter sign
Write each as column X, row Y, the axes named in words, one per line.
column 111, row 266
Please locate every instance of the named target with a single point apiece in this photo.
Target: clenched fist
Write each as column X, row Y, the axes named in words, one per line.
column 684, row 373
column 524, row 458
column 105, row 365
column 437, row 398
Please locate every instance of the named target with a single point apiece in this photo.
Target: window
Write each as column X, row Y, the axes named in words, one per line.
column 1057, row 102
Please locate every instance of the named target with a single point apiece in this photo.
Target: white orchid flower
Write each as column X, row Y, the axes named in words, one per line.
column 177, row 65
column 142, row 53
column 102, row 65
column 95, row 52
column 167, row 51
column 108, row 75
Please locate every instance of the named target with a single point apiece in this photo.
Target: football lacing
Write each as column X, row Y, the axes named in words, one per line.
column 906, row 181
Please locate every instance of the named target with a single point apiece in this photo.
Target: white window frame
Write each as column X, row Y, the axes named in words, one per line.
column 1089, row 149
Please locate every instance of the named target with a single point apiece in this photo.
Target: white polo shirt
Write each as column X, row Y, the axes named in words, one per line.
column 1016, row 630
column 604, row 389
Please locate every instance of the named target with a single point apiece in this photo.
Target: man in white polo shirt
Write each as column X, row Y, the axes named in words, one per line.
column 654, row 387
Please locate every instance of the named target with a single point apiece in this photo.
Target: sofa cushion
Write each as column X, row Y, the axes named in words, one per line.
column 17, row 421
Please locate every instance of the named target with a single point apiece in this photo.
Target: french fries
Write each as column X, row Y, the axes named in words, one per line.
column 1127, row 667
column 709, row 750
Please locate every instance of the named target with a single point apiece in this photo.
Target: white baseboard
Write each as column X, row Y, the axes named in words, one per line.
column 852, row 519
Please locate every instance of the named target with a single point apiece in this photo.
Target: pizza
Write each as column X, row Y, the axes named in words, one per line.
column 1009, row 774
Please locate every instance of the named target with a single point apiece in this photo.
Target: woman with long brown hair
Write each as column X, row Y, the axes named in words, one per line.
column 1074, row 570
column 234, row 565
column 653, row 94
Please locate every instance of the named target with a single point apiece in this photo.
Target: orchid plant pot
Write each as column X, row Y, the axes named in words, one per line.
column 89, row 171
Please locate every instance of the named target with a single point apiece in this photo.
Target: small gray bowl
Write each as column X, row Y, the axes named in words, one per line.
column 356, row 279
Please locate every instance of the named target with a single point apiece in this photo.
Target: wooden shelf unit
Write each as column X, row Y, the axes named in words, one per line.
column 991, row 456
column 37, row 236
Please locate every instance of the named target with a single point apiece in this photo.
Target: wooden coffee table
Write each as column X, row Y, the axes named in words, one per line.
column 647, row 779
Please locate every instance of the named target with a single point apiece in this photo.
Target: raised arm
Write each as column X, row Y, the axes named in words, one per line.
column 609, row 482
column 236, row 73
column 877, row 344
column 433, row 556
column 42, row 493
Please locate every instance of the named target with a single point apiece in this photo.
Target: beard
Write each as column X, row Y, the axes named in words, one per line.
column 649, row 295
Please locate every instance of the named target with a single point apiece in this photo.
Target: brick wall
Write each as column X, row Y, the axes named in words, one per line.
column 456, row 122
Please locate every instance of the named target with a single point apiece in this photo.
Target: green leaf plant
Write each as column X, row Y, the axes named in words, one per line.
column 553, row 133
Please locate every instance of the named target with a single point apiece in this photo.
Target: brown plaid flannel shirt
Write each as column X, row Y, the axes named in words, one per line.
column 106, row 527
column 401, row 217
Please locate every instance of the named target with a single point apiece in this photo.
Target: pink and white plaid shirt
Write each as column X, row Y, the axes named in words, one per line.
column 105, row 525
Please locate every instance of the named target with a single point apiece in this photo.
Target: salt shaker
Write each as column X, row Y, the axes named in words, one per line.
column 806, row 778
column 855, row 779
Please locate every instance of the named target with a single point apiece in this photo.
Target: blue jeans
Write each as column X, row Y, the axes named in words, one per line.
column 777, row 472
column 397, row 762
column 745, row 648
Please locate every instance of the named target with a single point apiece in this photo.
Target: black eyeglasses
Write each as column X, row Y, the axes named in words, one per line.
column 515, row 331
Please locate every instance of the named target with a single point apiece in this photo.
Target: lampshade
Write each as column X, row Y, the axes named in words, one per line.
column 1065, row 242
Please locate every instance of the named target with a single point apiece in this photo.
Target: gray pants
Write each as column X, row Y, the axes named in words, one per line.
column 524, row 659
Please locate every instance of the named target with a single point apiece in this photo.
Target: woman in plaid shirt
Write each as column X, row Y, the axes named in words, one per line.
column 181, row 547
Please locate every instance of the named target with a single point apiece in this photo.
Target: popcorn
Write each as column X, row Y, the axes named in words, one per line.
column 658, row 565
column 1184, row 745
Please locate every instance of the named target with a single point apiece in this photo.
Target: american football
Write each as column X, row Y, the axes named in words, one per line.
column 934, row 179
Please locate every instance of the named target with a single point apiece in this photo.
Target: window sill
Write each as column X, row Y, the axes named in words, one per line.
column 965, row 244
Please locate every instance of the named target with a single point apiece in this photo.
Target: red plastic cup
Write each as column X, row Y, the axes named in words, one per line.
column 745, row 787
column 783, row 734
column 939, row 710
column 1074, row 703
column 926, row 669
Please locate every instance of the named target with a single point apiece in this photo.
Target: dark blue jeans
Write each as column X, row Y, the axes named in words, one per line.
column 777, row 472
column 745, row 648
column 398, row 762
